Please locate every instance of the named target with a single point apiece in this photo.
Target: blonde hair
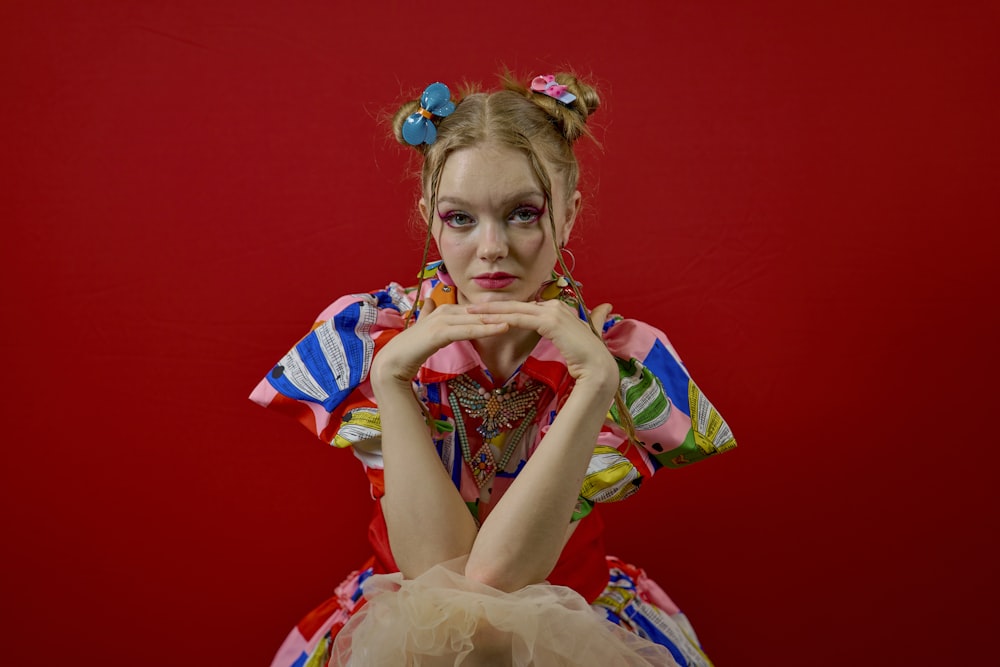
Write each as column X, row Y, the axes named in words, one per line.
column 514, row 116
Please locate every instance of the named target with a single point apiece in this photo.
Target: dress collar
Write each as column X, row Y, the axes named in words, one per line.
column 545, row 363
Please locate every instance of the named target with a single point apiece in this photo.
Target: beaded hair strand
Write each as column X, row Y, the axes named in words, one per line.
column 435, row 182
column 624, row 415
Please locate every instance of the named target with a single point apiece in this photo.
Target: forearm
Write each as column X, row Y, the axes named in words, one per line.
column 520, row 541
column 427, row 521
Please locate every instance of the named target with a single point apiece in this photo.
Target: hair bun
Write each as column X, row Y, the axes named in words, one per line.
column 399, row 120
column 570, row 119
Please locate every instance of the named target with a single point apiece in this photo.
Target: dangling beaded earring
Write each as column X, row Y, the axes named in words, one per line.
column 572, row 257
column 561, row 285
column 444, row 276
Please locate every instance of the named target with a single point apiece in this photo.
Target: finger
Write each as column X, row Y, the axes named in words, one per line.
column 496, row 307
column 535, row 320
column 475, row 331
column 600, row 314
column 428, row 307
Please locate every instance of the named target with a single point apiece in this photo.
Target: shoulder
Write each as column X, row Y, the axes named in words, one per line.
column 335, row 356
column 385, row 308
column 635, row 339
column 653, row 377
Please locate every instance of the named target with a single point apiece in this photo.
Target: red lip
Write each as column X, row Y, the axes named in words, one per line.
column 497, row 280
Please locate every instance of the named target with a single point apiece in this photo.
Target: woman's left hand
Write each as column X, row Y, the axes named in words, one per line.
column 587, row 358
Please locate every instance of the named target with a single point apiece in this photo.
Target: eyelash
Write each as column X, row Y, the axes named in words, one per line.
column 449, row 218
column 536, row 214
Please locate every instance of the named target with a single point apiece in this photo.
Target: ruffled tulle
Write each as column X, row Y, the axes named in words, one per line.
column 443, row 618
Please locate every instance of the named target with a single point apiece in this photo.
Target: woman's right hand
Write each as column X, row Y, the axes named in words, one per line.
column 426, row 518
column 437, row 326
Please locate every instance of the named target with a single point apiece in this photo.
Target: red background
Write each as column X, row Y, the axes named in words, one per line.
column 804, row 195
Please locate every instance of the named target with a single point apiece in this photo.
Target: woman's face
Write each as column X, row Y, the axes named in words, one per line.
column 491, row 227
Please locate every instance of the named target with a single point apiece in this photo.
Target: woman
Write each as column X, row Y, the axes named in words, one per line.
column 491, row 411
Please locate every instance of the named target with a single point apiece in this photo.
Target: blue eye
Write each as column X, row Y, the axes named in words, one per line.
column 456, row 219
column 525, row 215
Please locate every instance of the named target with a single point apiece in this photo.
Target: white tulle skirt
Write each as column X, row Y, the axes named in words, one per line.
column 443, row 618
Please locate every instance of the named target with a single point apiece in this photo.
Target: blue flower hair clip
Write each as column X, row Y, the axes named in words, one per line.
column 419, row 128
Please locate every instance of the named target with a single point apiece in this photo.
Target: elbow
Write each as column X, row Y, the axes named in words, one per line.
column 502, row 577
column 492, row 577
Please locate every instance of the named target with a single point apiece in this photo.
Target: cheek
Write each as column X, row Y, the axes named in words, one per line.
column 537, row 246
column 452, row 246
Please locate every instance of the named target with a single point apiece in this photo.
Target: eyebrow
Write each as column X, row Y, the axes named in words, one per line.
column 519, row 197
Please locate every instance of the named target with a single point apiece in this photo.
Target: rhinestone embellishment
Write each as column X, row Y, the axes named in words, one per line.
column 499, row 411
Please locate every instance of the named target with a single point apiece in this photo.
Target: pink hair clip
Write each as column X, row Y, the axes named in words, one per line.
column 546, row 85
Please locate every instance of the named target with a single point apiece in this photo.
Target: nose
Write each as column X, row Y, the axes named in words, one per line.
column 492, row 241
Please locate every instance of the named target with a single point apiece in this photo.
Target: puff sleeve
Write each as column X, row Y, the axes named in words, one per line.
column 323, row 380
column 675, row 423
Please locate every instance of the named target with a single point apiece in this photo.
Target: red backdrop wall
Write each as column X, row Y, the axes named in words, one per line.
column 804, row 195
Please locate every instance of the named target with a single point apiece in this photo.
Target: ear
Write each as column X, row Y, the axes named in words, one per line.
column 422, row 206
column 572, row 208
column 425, row 214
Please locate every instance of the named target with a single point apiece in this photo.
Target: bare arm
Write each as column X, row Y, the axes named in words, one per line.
column 523, row 536
column 427, row 520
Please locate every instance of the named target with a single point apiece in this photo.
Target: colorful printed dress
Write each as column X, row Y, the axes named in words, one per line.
column 323, row 383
